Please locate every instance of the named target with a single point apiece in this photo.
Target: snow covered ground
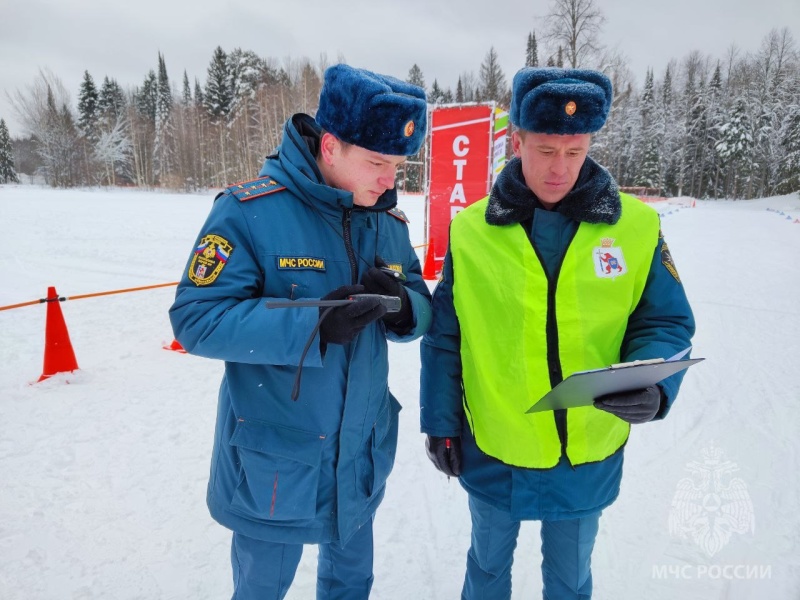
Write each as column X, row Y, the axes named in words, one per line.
column 103, row 479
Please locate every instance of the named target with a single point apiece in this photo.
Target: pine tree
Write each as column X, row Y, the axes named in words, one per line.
column 145, row 101
column 416, row 77
column 147, row 97
column 436, row 95
column 715, row 85
column 532, row 51
column 199, row 96
column 694, row 143
column 246, row 71
column 560, row 58
column 88, row 110
column 218, row 96
column 789, row 178
column 672, row 136
column 164, row 131
column 111, row 102
column 164, row 96
column 186, row 96
column 648, row 100
column 735, row 148
column 492, row 78
column 648, row 173
column 447, row 96
column 112, row 148
column 666, row 92
column 8, row 173
column 459, row 92
column 716, row 114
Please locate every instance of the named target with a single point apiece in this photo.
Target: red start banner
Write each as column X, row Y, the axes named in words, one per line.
column 460, row 167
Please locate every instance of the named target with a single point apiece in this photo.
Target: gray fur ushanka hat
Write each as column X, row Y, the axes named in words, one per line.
column 560, row 101
column 377, row 112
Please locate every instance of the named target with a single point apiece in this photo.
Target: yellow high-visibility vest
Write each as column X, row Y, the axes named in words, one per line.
column 503, row 301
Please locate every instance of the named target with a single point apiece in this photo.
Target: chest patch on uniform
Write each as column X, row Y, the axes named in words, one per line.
column 666, row 258
column 609, row 262
column 395, row 267
column 301, row 262
column 210, row 257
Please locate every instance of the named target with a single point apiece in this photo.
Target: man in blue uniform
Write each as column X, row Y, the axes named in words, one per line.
column 307, row 464
column 555, row 272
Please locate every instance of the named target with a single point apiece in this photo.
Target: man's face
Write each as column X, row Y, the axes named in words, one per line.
column 550, row 163
column 366, row 173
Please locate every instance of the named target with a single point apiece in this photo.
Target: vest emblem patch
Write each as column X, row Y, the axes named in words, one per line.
column 609, row 262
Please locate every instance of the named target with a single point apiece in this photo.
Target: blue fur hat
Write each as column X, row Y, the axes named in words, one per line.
column 561, row 101
column 377, row 112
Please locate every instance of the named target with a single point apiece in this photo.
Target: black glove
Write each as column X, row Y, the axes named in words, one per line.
column 445, row 454
column 344, row 323
column 637, row 406
column 376, row 281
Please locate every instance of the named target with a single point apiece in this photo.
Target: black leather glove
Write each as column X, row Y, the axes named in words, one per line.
column 637, row 406
column 445, row 454
column 344, row 323
column 376, row 281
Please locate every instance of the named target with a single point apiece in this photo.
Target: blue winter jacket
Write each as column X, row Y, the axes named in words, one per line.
column 311, row 470
column 662, row 325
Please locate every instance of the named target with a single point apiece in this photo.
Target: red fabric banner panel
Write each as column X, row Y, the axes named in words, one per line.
column 460, row 168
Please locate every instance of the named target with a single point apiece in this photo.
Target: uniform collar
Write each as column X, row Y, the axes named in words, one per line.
column 593, row 199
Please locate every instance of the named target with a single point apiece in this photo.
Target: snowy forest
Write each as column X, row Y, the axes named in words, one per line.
column 701, row 126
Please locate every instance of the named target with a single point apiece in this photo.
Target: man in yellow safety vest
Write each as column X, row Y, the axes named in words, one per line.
column 554, row 272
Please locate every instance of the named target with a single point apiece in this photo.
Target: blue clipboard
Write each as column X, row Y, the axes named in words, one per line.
column 580, row 389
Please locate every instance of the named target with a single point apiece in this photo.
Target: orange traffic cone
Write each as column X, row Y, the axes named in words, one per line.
column 175, row 346
column 58, row 354
column 429, row 269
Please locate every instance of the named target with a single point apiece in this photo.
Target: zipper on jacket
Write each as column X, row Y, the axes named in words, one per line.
column 554, row 364
column 348, row 244
column 553, row 360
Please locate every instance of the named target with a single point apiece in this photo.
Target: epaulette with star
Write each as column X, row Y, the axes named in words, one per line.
column 398, row 214
column 249, row 190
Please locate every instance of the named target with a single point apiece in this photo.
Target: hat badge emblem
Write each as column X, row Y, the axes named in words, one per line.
column 570, row 108
column 408, row 130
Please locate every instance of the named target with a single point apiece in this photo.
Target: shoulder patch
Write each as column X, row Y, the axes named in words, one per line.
column 209, row 258
column 666, row 258
column 398, row 214
column 248, row 190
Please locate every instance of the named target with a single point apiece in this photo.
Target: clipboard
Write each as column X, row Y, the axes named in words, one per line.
column 581, row 388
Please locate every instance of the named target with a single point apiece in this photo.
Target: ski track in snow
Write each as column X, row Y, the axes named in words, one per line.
column 104, row 477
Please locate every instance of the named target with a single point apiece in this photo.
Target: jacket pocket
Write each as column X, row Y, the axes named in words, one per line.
column 383, row 447
column 279, row 471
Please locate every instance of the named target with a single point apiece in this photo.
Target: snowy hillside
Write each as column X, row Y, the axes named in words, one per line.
column 104, row 477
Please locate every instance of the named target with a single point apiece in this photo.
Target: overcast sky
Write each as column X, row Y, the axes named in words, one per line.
column 444, row 37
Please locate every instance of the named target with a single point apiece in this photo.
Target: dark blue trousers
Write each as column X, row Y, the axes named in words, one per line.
column 566, row 555
column 265, row 570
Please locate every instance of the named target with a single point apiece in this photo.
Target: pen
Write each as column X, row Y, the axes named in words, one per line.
column 447, row 449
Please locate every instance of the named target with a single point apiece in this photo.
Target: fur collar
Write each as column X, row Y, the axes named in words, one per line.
column 594, row 199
